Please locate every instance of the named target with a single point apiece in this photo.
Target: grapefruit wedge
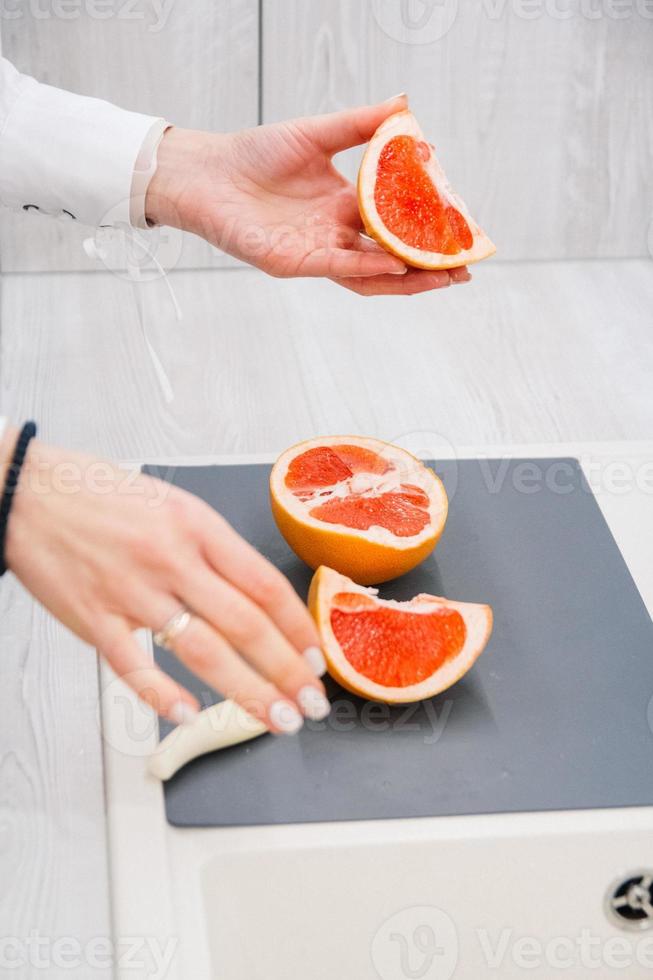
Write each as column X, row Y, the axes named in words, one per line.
column 392, row 651
column 406, row 202
column 367, row 508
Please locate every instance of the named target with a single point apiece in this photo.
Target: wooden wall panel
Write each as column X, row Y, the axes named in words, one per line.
column 196, row 64
column 544, row 122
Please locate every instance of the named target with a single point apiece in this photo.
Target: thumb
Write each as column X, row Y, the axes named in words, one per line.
column 338, row 131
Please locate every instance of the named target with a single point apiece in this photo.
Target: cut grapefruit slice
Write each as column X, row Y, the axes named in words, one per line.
column 395, row 651
column 365, row 507
column 406, row 202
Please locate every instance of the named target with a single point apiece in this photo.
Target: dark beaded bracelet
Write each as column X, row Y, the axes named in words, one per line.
column 27, row 432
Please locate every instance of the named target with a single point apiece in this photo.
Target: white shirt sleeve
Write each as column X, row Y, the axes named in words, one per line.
column 71, row 156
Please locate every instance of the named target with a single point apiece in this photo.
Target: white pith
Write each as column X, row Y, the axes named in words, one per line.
column 408, row 470
column 404, row 124
column 478, row 624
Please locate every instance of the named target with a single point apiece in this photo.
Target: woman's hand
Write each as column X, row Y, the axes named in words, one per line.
column 108, row 551
column 272, row 197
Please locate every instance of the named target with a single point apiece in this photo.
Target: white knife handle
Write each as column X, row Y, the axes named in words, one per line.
column 217, row 727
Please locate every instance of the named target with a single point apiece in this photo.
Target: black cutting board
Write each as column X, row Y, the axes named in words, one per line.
column 554, row 715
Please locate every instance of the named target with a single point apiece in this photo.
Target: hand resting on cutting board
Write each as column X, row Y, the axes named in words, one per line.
column 107, row 552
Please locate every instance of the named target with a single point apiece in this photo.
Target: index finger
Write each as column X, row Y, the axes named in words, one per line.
column 245, row 568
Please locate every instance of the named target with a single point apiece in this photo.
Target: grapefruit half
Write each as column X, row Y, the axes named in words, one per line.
column 406, row 202
column 392, row 651
column 367, row 508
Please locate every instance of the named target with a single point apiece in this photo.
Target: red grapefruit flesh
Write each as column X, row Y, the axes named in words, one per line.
column 368, row 508
column 407, row 204
column 395, row 651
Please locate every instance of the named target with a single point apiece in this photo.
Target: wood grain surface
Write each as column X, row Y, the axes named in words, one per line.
column 543, row 120
column 53, row 858
column 541, row 113
column 540, row 351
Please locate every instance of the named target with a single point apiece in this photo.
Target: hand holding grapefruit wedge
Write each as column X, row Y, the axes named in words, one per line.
column 395, row 651
column 365, row 507
column 406, row 202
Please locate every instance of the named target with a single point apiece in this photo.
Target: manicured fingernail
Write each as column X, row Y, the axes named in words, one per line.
column 399, row 95
column 313, row 703
column 399, row 272
column 315, row 660
column 181, row 713
column 285, row 717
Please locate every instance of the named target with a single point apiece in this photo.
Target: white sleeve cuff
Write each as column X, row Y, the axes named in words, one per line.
column 144, row 170
column 73, row 156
